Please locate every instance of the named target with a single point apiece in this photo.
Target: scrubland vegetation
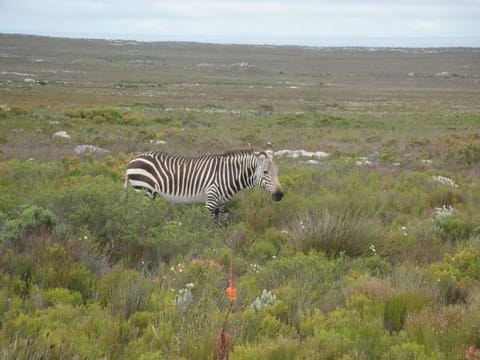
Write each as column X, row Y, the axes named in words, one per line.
column 373, row 253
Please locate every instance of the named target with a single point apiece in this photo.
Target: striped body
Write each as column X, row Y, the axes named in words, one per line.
column 209, row 179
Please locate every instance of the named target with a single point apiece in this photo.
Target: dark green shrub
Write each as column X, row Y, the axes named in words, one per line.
column 263, row 250
column 467, row 263
column 453, row 229
column 34, row 219
column 23, row 273
column 378, row 266
column 395, row 313
column 56, row 268
column 105, row 115
column 168, row 242
column 468, row 155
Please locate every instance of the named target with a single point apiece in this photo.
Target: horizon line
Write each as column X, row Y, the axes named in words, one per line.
column 302, row 41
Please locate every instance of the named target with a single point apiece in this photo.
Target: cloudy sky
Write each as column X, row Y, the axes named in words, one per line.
column 302, row 22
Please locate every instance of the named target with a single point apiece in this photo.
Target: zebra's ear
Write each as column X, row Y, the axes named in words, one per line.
column 269, row 150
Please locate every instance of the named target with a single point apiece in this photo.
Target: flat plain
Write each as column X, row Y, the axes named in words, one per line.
column 374, row 252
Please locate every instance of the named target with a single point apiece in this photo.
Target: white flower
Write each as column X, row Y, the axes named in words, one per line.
column 444, row 211
column 445, row 181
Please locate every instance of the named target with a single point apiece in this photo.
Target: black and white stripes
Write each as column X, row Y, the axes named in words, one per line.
column 209, row 179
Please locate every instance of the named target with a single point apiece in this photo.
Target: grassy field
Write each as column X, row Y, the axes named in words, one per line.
column 373, row 253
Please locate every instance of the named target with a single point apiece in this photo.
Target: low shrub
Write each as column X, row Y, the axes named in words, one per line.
column 280, row 349
column 449, row 330
column 395, row 313
column 453, row 229
column 33, row 220
column 335, row 232
column 58, row 296
column 456, row 277
column 58, row 332
column 467, row 155
column 125, row 291
column 105, row 115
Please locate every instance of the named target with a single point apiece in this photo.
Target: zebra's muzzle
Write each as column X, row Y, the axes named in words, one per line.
column 277, row 196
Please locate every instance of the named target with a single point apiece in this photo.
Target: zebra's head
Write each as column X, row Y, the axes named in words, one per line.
column 266, row 173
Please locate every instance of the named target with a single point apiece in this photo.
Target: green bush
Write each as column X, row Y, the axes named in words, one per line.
column 449, row 330
column 34, row 219
column 457, row 277
column 59, row 332
column 467, row 263
column 126, row 291
column 395, row 313
column 108, row 115
column 467, row 155
column 313, row 268
column 281, row 349
column 168, row 242
column 58, row 296
column 411, row 351
column 453, row 229
column 335, row 232
column 252, row 325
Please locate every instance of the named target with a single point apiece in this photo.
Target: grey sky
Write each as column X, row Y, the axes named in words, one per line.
column 307, row 22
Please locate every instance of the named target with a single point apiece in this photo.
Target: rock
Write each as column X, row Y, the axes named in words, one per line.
column 89, row 149
column 301, row 153
column 62, row 134
column 363, row 161
column 158, row 142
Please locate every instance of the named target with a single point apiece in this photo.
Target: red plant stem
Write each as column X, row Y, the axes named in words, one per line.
column 224, row 348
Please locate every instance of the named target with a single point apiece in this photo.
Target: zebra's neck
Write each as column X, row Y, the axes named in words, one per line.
column 237, row 170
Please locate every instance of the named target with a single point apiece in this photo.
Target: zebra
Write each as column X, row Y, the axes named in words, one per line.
column 209, row 179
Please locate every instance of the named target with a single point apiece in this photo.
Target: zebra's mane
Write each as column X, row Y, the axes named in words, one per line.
column 231, row 152
column 243, row 150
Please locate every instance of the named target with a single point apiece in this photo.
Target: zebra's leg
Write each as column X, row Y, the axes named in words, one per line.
column 221, row 217
column 218, row 212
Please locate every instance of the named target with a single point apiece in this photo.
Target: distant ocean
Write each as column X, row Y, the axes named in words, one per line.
column 409, row 42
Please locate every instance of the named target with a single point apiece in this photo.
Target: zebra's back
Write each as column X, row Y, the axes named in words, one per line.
column 177, row 179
